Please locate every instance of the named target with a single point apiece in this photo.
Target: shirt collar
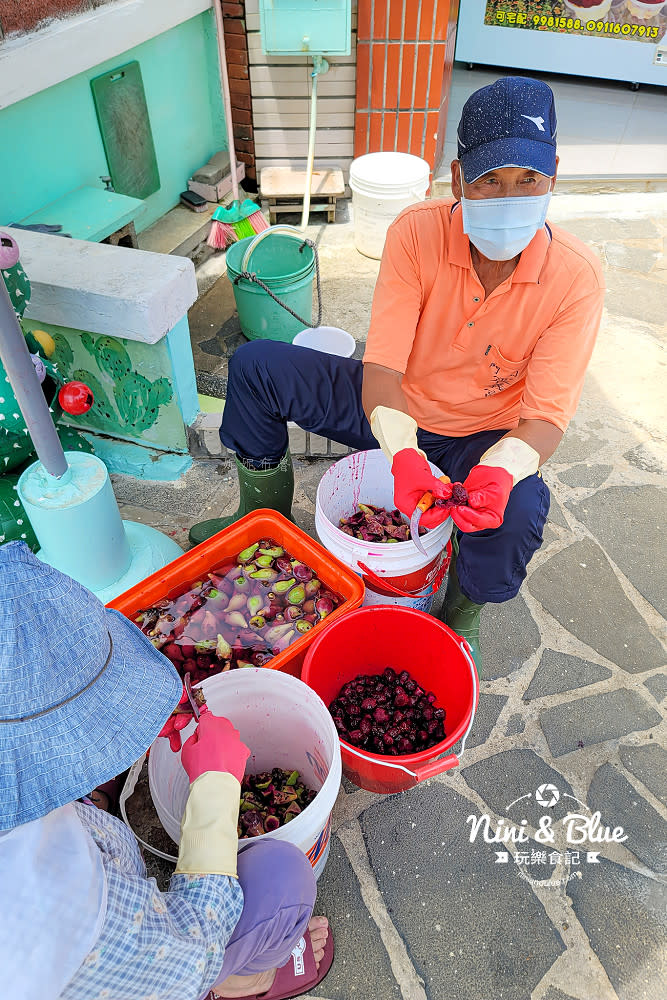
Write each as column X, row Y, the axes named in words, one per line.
column 458, row 251
column 532, row 259
column 530, row 264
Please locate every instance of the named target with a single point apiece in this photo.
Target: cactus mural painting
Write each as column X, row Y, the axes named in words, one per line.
column 134, row 400
column 128, row 402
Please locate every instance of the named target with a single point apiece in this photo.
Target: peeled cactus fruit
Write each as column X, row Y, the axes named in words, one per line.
column 241, row 613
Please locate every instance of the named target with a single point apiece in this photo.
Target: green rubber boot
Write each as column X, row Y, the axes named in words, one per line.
column 272, row 488
column 460, row 613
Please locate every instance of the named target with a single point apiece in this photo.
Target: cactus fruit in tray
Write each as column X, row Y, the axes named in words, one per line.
column 376, row 524
column 388, row 713
column 270, row 800
column 241, row 614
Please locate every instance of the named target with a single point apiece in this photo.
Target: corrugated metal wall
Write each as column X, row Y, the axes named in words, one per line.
column 281, row 103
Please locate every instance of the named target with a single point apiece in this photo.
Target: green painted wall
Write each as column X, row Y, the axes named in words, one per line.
column 51, row 142
column 134, row 385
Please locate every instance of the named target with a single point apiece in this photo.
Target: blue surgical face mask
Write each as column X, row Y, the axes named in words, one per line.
column 501, row 228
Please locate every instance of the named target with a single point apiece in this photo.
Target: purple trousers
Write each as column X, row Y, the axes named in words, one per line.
column 279, row 891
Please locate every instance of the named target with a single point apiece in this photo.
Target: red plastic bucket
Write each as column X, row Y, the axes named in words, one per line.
column 369, row 640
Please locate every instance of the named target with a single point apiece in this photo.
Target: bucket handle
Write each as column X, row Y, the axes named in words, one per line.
column 442, row 764
column 251, row 276
column 254, row 243
column 434, row 588
column 128, row 789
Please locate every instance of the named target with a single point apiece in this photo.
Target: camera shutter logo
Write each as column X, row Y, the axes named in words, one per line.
column 547, row 795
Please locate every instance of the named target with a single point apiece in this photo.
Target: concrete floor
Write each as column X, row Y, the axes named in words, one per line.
column 572, row 694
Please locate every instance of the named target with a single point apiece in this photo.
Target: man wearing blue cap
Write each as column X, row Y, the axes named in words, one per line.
column 483, row 322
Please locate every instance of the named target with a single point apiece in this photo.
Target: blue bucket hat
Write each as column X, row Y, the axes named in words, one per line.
column 83, row 692
column 510, row 123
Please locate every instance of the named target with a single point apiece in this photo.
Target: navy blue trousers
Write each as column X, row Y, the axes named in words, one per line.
column 271, row 383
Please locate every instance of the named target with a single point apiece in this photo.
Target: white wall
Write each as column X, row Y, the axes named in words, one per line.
column 281, row 104
column 60, row 49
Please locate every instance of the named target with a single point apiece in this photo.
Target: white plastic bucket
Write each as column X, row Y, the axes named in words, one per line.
column 366, row 477
column 286, row 725
column 383, row 184
column 328, row 339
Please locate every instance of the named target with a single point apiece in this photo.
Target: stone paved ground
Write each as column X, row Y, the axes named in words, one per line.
column 573, row 694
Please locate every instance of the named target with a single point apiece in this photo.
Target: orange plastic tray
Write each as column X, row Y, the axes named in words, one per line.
column 264, row 523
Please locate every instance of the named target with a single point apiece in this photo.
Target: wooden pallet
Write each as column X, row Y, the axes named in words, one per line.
column 283, row 188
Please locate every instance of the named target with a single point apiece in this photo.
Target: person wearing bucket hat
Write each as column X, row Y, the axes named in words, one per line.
column 483, row 322
column 83, row 694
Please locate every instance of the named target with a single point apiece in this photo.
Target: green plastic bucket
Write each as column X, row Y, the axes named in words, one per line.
column 286, row 265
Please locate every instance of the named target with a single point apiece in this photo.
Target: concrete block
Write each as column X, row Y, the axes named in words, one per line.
column 104, row 289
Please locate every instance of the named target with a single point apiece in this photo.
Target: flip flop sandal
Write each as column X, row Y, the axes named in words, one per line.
column 300, row 974
column 111, row 789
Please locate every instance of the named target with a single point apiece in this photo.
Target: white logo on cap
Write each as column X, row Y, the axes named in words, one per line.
column 538, row 121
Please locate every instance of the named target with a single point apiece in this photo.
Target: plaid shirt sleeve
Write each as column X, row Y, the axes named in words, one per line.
column 153, row 945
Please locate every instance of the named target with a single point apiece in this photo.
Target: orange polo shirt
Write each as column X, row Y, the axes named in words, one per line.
column 472, row 362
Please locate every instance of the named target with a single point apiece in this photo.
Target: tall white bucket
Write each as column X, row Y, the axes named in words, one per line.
column 383, row 184
column 285, row 724
column 393, row 574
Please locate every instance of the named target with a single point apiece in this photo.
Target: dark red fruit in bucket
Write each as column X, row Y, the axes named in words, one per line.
column 375, row 524
column 392, row 721
column 401, row 699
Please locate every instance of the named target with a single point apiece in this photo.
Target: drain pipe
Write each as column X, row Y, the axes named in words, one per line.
column 320, row 65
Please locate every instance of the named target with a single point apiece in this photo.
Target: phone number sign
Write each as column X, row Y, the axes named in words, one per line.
column 622, row 19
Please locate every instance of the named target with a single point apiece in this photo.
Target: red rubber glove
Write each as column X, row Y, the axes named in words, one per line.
column 488, row 490
column 214, row 746
column 412, row 479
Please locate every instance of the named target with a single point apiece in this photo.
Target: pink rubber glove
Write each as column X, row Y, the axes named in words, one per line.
column 488, row 490
column 214, row 746
column 412, row 479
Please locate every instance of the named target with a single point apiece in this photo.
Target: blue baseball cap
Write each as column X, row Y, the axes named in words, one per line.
column 510, row 123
